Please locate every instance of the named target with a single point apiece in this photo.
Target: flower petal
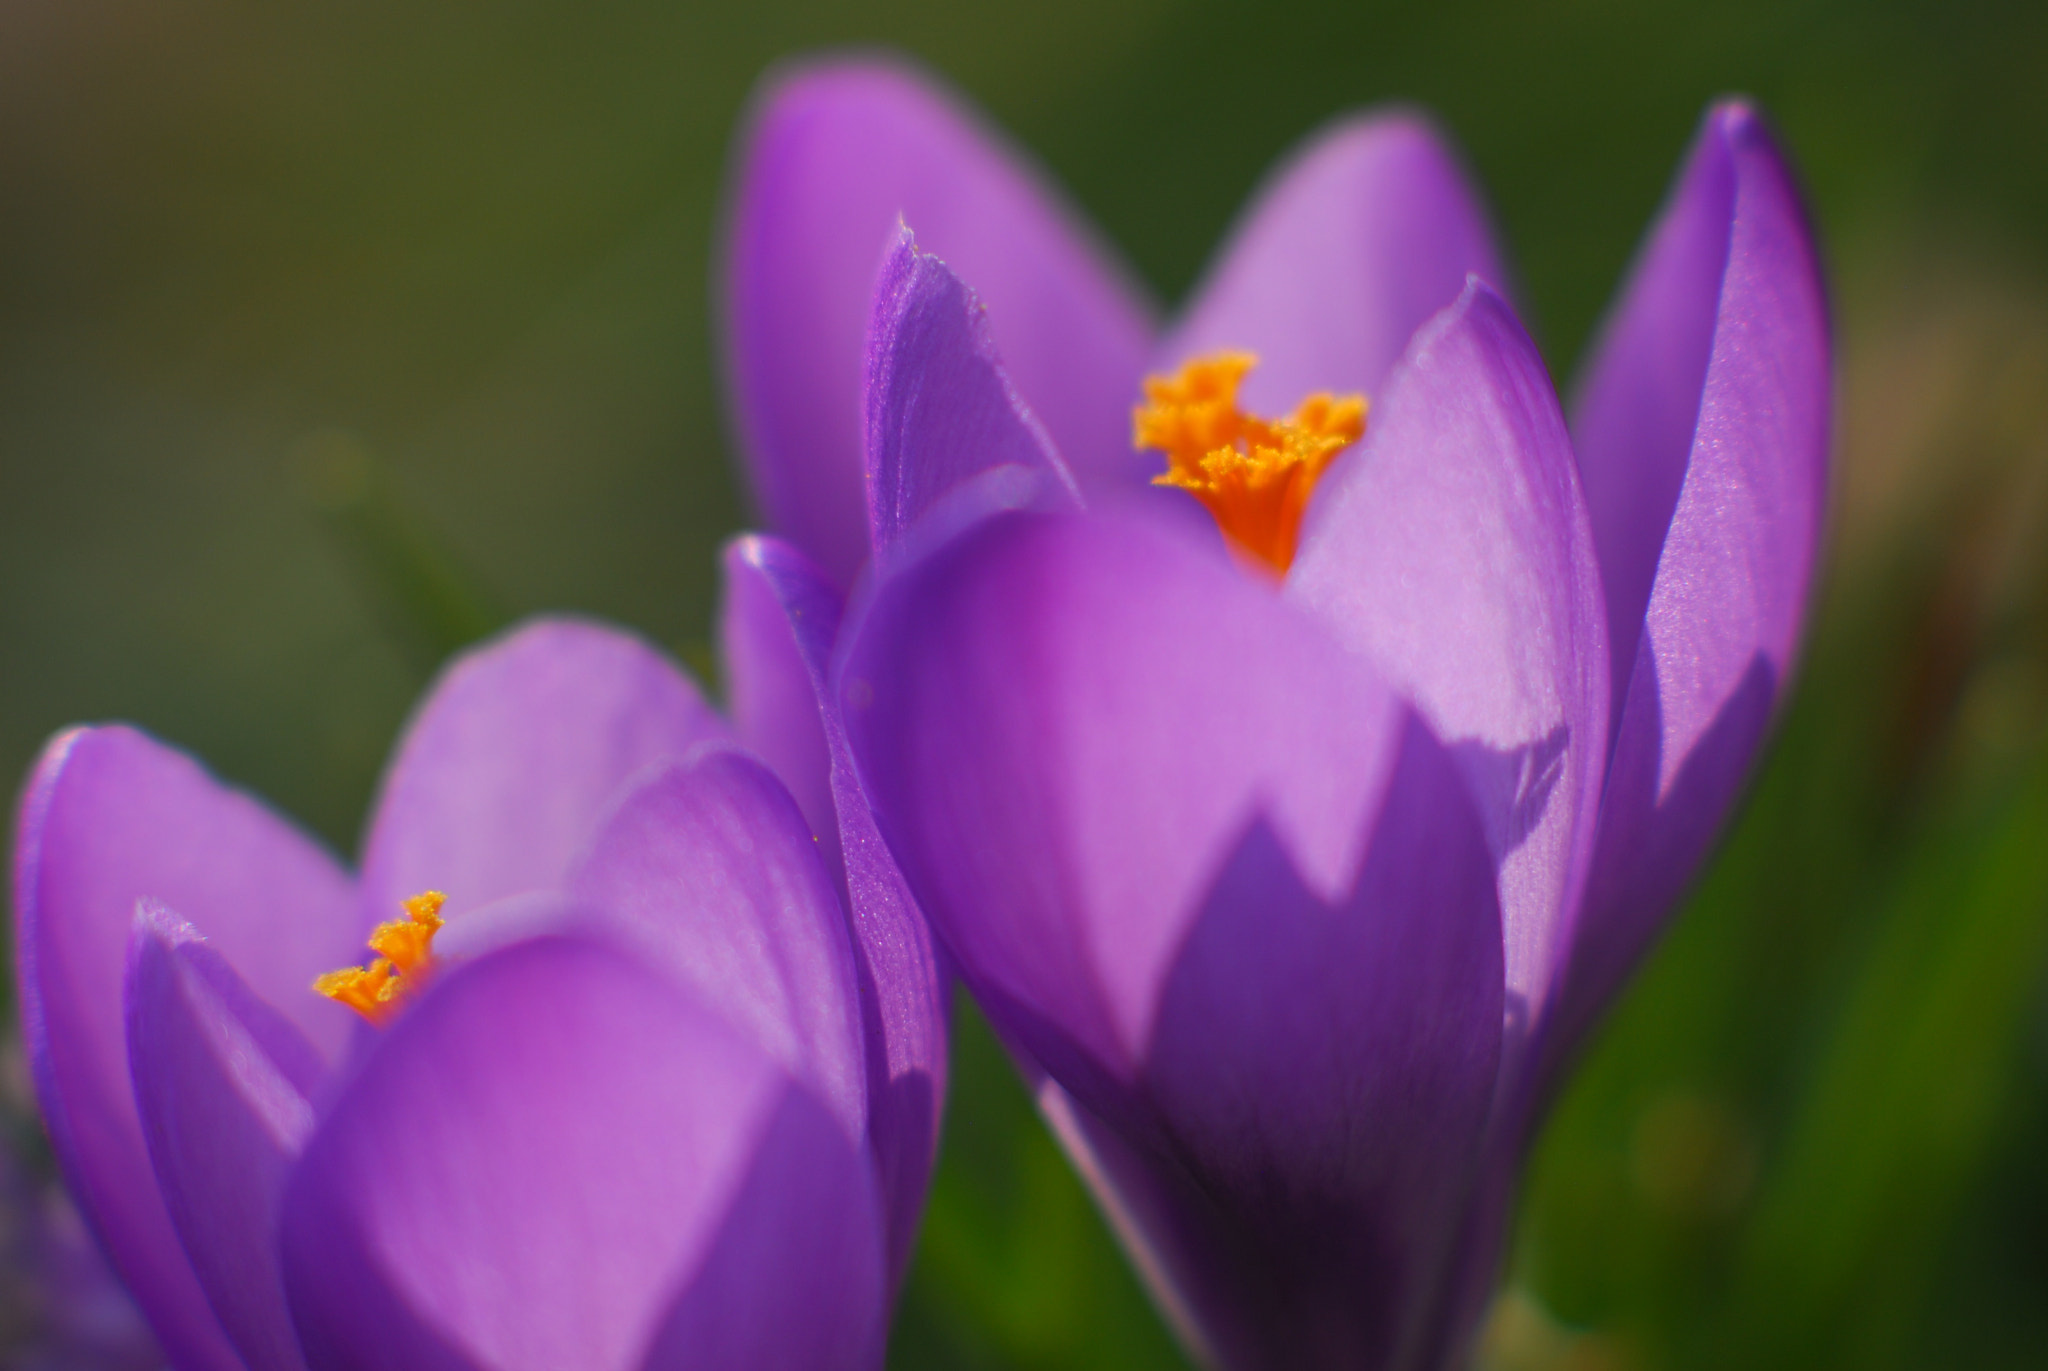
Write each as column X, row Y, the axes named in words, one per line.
column 548, row 1150
column 1224, row 889
column 1638, row 404
column 1067, row 723
column 513, row 758
column 110, row 818
column 940, row 408
column 796, row 1280
column 1333, row 1143
column 904, row 995
column 1734, row 569
column 836, row 155
column 222, row 1083
column 708, row 872
column 767, row 648
column 1454, row 552
column 1350, row 247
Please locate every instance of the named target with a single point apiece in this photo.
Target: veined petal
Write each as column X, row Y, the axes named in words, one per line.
column 1454, row 552
column 111, row 818
column 222, row 1084
column 708, row 871
column 939, row 406
column 904, row 999
column 1349, row 248
column 514, row 756
column 835, row 156
column 1067, row 723
column 547, row 1153
column 1734, row 568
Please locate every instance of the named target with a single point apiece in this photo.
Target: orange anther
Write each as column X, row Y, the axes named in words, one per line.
column 1254, row 475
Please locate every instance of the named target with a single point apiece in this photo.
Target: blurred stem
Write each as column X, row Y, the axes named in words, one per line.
column 426, row 600
column 1904, row 1103
column 1015, row 1268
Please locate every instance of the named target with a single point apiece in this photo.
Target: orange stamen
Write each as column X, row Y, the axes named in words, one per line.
column 405, row 958
column 1254, row 475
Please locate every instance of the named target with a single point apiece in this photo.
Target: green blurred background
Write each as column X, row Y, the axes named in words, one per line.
column 331, row 337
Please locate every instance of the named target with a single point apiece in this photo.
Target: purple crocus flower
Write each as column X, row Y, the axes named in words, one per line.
column 661, row 1092
column 1293, row 876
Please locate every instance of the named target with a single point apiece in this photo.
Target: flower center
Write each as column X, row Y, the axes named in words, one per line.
column 405, row 956
column 1254, row 475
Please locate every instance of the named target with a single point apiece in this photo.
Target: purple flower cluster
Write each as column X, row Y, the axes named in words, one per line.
column 1292, row 881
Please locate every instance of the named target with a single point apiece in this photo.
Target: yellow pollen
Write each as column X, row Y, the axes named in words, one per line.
column 1254, row 475
column 405, row 957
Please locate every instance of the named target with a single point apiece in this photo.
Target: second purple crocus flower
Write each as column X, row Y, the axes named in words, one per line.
column 1294, row 896
column 664, row 1093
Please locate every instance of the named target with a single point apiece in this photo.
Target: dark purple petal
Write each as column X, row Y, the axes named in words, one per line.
column 1324, row 1073
column 111, row 818
column 1349, row 248
column 904, row 999
column 836, row 156
column 1722, row 625
column 708, row 872
column 939, row 407
column 222, row 1083
column 545, row 1155
column 1453, row 551
column 515, row 755
column 1067, row 724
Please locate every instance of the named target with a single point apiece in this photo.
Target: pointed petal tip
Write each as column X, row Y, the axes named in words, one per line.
column 156, row 922
column 941, row 409
column 1738, row 118
column 1480, row 305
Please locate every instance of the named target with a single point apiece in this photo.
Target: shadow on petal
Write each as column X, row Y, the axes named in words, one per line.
column 1514, row 784
column 1293, row 1162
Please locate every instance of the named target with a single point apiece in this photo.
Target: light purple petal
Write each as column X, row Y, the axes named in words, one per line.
column 939, row 407
column 110, row 818
column 547, row 1152
column 708, row 872
column 1454, row 552
column 515, row 755
column 766, row 649
column 1722, row 626
column 836, row 155
column 222, row 1083
column 1703, row 445
column 1067, row 723
column 1349, row 249
column 904, row 997
column 1639, row 402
